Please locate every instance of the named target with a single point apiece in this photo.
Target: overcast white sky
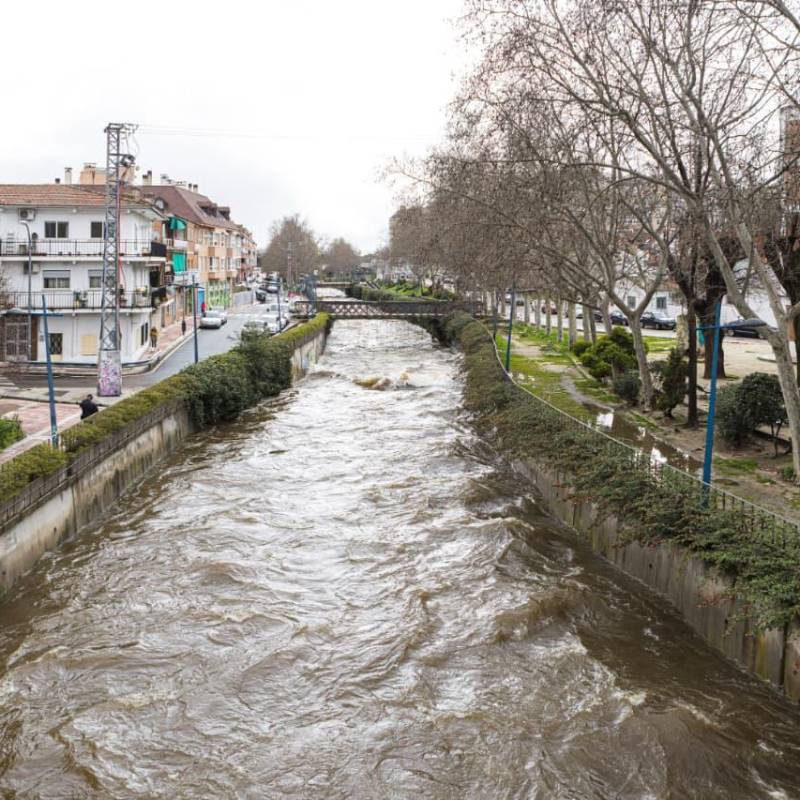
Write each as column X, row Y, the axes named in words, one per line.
column 339, row 87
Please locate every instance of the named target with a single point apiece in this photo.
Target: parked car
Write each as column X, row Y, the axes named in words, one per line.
column 520, row 300
column 213, row 319
column 659, row 321
column 553, row 309
column 595, row 313
column 251, row 326
column 261, row 295
column 275, row 324
column 734, row 329
column 618, row 318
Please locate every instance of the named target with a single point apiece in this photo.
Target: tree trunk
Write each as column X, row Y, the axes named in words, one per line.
column 708, row 348
column 526, row 309
column 691, row 324
column 796, row 325
column 588, row 318
column 548, row 318
column 593, row 328
column 560, row 320
column 606, row 315
column 791, row 394
column 648, row 394
column 573, row 325
column 537, row 311
column 503, row 305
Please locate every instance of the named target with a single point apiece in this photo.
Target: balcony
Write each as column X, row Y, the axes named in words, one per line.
column 73, row 299
column 71, row 248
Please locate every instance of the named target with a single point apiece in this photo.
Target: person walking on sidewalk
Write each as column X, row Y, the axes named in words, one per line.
column 153, row 338
column 183, row 327
column 88, row 406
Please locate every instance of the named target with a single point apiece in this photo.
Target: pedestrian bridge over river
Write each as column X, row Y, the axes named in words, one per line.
column 389, row 309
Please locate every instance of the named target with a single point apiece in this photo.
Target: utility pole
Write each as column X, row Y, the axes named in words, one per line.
column 109, row 356
column 30, row 296
column 289, row 253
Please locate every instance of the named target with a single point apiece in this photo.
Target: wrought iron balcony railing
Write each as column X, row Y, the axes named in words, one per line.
column 44, row 248
column 72, row 299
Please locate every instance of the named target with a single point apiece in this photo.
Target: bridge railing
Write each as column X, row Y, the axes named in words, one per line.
column 386, row 309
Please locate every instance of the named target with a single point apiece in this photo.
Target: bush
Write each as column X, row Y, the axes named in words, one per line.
column 612, row 354
column 627, row 386
column 37, row 462
column 765, row 569
column 756, row 401
column 580, row 347
column 761, row 395
column 216, row 389
column 10, row 432
column 733, row 420
column 670, row 377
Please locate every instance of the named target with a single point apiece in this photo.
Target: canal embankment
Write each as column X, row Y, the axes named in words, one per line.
column 48, row 494
column 731, row 568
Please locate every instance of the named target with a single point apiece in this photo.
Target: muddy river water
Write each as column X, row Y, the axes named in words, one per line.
column 346, row 594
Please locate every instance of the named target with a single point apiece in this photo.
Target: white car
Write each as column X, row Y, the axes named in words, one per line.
column 213, row 319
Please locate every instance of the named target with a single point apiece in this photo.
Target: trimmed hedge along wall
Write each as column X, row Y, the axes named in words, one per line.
column 765, row 569
column 216, row 389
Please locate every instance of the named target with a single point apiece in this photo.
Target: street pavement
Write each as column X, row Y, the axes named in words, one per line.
column 25, row 396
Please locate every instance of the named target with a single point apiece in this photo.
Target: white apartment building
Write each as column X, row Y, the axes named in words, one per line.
column 65, row 222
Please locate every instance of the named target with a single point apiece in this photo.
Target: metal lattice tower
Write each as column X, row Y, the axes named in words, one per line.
column 109, row 361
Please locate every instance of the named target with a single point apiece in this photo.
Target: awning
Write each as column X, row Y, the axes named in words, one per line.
column 177, row 224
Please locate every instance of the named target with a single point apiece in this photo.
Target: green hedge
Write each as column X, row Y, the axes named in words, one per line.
column 765, row 570
column 216, row 389
column 399, row 292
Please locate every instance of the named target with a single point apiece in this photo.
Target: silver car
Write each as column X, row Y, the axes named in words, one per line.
column 213, row 319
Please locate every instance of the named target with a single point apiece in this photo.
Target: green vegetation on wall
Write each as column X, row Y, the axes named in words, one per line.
column 764, row 566
column 215, row 390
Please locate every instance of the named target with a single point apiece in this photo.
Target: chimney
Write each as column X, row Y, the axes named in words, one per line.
column 147, row 178
column 68, row 175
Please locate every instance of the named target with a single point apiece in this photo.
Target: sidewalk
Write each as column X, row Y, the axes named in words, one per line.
column 34, row 417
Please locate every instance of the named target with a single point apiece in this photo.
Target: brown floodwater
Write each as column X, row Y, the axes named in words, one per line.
column 345, row 594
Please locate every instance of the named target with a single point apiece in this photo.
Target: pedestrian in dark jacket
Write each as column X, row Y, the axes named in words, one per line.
column 88, row 407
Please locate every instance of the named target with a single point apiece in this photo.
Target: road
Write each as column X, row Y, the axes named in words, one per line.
column 210, row 342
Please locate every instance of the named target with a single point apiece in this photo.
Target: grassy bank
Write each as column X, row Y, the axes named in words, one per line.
column 399, row 291
column 216, row 389
column 759, row 554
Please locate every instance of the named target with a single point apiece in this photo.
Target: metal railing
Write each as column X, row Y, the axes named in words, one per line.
column 758, row 521
column 83, row 462
column 91, row 248
column 72, row 299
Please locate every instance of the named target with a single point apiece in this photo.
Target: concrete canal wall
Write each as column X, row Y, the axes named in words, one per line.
column 701, row 595
column 54, row 508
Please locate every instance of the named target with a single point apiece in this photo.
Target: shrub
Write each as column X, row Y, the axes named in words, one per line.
column 611, row 354
column 37, row 462
column 761, row 395
column 580, row 347
column 733, row 420
column 216, row 389
column 671, row 376
column 10, row 432
column 627, row 386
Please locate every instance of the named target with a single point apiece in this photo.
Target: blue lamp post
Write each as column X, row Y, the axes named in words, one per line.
column 712, row 396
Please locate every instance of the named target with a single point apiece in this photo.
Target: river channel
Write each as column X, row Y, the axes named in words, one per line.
column 346, row 594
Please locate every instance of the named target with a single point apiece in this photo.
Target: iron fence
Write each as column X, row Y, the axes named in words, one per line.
column 760, row 522
column 49, row 485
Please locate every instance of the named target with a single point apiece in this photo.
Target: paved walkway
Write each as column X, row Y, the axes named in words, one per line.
column 35, row 420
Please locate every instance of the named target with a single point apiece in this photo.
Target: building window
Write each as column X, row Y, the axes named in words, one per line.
column 56, row 341
column 56, row 279
column 661, row 303
column 97, row 230
column 631, row 301
column 144, row 333
column 95, row 279
column 56, row 230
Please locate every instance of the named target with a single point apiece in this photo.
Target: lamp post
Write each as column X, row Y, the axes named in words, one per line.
column 712, row 396
column 30, row 295
column 51, row 397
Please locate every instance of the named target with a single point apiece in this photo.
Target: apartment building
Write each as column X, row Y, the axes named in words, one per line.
column 59, row 228
column 203, row 240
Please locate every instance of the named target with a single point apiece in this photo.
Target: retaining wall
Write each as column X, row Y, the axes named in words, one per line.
column 53, row 508
column 701, row 595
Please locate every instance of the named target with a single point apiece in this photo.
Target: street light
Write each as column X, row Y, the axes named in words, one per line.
column 30, row 298
column 712, row 397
